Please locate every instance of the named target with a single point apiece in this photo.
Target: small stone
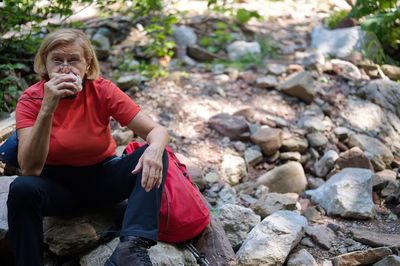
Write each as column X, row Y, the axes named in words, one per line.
column 314, row 183
column 285, row 178
column 326, row 163
column 290, row 156
column 300, row 85
column 354, row 158
column 381, row 178
column 294, row 145
column 342, row 133
column 253, row 156
column 301, row 258
column 276, row 69
column 312, row 214
column 317, row 139
column 267, row 82
column 129, row 81
column 233, row 169
column 229, row 125
column 269, row 139
column 306, row 241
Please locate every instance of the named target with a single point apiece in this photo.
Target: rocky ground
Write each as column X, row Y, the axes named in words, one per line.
column 298, row 156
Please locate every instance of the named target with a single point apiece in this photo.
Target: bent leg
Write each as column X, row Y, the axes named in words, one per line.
column 141, row 215
column 30, row 198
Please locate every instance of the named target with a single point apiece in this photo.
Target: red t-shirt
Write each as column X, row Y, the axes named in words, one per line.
column 80, row 133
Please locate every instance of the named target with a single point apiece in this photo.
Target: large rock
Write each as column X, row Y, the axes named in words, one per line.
column 339, row 42
column 5, row 182
column 161, row 254
column 71, row 235
column 270, row 242
column 326, row 163
column 322, row 235
column 184, row 36
column 237, row 222
column 285, row 178
column 363, row 115
column 375, row 150
column 102, row 45
column 347, row 194
column 353, row 158
column 269, row 139
column 393, row 72
column 385, row 93
column 267, row 82
column 375, row 239
column 346, row 69
column 364, row 257
column 301, row 258
column 391, row 260
column 240, row 49
column 229, row 125
column 233, row 169
column 300, row 85
column 274, row 202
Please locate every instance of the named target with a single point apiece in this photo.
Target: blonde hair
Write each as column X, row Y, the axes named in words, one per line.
column 65, row 37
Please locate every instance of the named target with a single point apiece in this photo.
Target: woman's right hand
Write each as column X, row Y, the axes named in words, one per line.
column 59, row 86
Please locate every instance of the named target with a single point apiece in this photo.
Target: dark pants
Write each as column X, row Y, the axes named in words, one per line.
column 64, row 189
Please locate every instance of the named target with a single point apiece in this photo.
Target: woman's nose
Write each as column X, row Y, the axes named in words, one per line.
column 65, row 68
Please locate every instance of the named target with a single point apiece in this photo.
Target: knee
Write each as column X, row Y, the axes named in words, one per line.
column 23, row 192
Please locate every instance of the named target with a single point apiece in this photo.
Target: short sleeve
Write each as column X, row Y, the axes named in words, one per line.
column 26, row 112
column 121, row 107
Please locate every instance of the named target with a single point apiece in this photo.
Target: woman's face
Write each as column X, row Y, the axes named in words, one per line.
column 66, row 59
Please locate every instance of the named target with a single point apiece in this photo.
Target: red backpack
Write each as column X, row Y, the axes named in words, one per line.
column 184, row 213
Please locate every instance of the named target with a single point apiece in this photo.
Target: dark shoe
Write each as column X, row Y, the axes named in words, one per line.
column 132, row 252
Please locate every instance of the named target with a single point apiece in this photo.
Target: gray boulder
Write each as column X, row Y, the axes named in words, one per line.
column 5, row 182
column 270, row 242
column 161, row 254
column 391, row 260
column 240, row 49
column 347, row 194
column 385, row 93
column 184, row 36
column 339, row 42
column 237, row 222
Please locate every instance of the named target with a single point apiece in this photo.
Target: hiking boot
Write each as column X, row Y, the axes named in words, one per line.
column 132, row 252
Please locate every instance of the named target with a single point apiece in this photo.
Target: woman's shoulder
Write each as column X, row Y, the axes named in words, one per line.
column 34, row 91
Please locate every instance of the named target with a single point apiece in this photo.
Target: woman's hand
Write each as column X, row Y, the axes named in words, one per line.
column 59, row 86
column 152, row 167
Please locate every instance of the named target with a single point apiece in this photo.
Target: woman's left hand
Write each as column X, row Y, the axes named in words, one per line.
column 152, row 168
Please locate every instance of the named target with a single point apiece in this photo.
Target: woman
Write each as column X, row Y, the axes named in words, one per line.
column 67, row 154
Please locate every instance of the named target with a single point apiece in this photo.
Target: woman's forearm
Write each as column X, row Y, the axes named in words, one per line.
column 33, row 151
column 158, row 137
